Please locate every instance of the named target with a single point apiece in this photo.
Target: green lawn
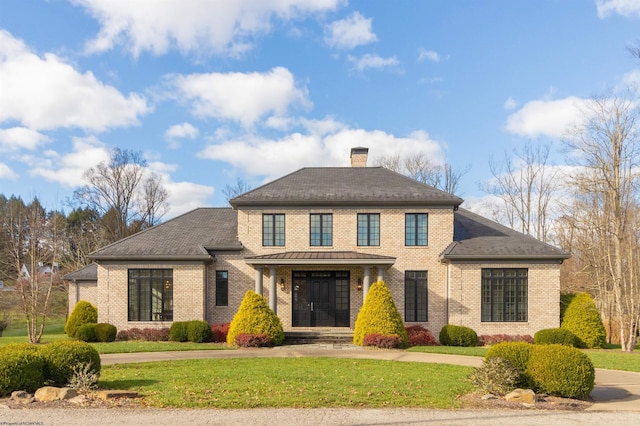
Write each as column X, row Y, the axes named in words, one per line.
column 142, row 346
column 294, row 382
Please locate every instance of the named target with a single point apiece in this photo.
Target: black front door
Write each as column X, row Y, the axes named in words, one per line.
column 318, row 299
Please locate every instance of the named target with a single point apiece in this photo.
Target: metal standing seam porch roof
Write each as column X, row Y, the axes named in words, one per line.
column 320, row 258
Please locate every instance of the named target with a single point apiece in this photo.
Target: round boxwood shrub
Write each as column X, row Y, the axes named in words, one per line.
column 255, row 317
column 179, row 331
column 379, row 315
column 106, row 332
column 560, row 370
column 517, row 353
column 199, row 331
column 21, row 368
column 60, row 358
column 583, row 319
column 87, row 332
column 550, row 336
column 456, row 335
column 83, row 313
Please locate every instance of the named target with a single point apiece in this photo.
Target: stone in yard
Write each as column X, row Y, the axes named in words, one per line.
column 113, row 394
column 51, row 393
column 80, row 399
column 22, row 397
column 488, row 396
column 524, row 396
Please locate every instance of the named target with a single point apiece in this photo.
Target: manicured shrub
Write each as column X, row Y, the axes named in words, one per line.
column 179, row 331
column 496, row 376
column 565, row 300
column 219, row 332
column 560, row 370
column 381, row 341
column 492, row 339
column 456, row 335
column 21, row 368
column 83, row 313
column 379, row 315
column 417, row 335
column 560, row 336
column 106, row 332
column 87, row 332
column 517, row 353
column 148, row 334
column 583, row 319
column 60, row 358
column 255, row 317
column 198, row 331
column 245, row 340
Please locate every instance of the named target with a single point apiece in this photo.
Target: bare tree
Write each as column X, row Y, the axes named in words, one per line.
column 606, row 146
column 526, row 183
column 233, row 191
column 122, row 190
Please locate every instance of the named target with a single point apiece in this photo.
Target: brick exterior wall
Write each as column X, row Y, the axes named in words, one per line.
column 82, row 290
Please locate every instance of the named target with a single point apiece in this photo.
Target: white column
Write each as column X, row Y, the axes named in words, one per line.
column 380, row 273
column 259, row 271
column 366, row 282
column 273, row 291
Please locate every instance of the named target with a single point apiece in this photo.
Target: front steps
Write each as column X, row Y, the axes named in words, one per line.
column 312, row 337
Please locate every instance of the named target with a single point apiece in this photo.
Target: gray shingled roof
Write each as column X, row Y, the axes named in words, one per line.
column 88, row 273
column 349, row 186
column 476, row 237
column 189, row 236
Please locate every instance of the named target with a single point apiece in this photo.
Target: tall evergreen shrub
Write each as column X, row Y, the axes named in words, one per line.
column 379, row 315
column 255, row 317
column 83, row 313
column 583, row 319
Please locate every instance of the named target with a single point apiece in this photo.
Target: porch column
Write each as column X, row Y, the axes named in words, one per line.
column 273, row 291
column 380, row 273
column 259, row 271
column 366, row 282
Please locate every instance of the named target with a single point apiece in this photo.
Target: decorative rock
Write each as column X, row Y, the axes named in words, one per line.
column 50, row 393
column 80, row 399
column 20, row 395
column 488, row 396
column 113, row 394
column 525, row 396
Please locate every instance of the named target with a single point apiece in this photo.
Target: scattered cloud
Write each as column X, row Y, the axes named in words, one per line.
column 545, row 118
column 431, row 55
column 186, row 196
column 350, row 32
column 19, row 138
column 632, row 79
column 180, row 131
column 373, row 61
column 241, row 97
column 225, row 27
column 7, row 173
column 46, row 93
column 627, row 8
column 510, row 103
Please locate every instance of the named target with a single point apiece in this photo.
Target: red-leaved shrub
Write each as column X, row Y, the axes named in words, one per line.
column 219, row 332
column 381, row 341
column 420, row 336
column 492, row 339
column 149, row 334
column 244, row 340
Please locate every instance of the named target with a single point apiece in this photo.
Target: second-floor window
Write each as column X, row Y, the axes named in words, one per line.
column 368, row 229
column 321, row 229
column 273, row 230
column 415, row 229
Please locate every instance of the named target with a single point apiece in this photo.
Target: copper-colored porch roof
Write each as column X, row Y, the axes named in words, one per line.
column 320, row 258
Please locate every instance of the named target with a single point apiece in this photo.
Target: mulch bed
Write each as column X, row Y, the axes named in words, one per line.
column 543, row 402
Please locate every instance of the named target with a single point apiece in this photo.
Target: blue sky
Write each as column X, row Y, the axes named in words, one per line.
column 211, row 91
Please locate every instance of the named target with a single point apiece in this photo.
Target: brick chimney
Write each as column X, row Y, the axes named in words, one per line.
column 359, row 157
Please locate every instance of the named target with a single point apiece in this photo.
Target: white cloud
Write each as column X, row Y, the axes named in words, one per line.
column 430, row 55
column 373, row 61
column 545, row 118
column 19, row 138
column 628, row 8
column 242, row 97
column 186, row 196
column 510, row 103
column 7, row 173
column 350, row 32
column 264, row 157
column 182, row 131
column 47, row 93
column 632, row 79
column 192, row 26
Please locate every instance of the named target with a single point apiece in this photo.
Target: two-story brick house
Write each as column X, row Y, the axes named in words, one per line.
column 312, row 242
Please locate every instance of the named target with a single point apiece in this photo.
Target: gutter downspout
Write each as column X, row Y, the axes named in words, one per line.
column 448, row 293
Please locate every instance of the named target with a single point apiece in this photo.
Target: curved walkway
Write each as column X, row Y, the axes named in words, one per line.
column 614, row 390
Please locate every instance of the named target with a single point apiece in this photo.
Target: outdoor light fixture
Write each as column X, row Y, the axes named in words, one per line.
column 359, row 286
column 282, row 284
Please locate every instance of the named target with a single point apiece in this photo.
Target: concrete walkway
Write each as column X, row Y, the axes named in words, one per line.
column 614, row 390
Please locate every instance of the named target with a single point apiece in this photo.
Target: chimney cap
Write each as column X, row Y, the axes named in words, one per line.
column 359, row 150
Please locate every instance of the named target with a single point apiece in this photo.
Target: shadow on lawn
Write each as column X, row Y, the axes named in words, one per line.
column 125, row 384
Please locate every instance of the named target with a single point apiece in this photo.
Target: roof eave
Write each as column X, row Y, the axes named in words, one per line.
column 383, row 262
column 347, row 203
column 480, row 257
column 142, row 257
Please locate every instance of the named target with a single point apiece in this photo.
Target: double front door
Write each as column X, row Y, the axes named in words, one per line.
column 321, row 299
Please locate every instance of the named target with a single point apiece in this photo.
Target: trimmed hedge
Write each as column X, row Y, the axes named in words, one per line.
column 456, row 335
column 379, row 315
column 560, row 370
column 219, row 332
column 60, row 358
column 244, row 340
column 583, row 319
column 382, row 341
column 198, row 331
column 106, row 332
column 148, row 334
column 517, row 353
column 179, row 331
column 83, row 313
column 550, row 336
column 417, row 335
column 87, row 332
column 21, row 368
column 255, row 317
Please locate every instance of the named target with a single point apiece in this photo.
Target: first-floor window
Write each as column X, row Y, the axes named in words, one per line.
column 150, row 295
column 222, row 288
column 504, row 295
column 415, row 296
